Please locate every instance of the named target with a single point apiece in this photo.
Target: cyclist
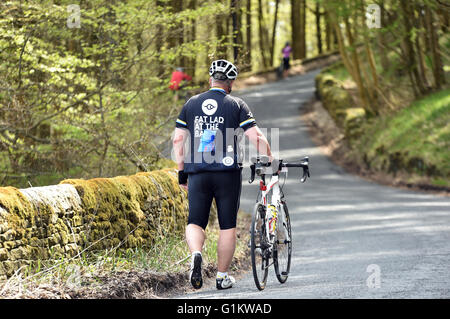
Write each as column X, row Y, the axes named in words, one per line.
column 204, row 122
column 178, row 81
column 286, row 57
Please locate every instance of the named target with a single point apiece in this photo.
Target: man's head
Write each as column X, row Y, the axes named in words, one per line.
column 223, row 73
column 219, row 79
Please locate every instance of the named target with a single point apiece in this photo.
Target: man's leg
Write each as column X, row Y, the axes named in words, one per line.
column 195, row 237
column 225, row 248
column 200, row 199
column 227, row 200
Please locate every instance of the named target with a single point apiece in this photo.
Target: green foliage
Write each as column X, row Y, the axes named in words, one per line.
column 415, row 139
column 90, row 101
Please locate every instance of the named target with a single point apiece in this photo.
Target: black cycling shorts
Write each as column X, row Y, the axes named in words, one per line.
column 224, row 187
column 286, row 64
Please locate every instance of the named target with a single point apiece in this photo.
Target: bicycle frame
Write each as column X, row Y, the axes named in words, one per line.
column 276, row 200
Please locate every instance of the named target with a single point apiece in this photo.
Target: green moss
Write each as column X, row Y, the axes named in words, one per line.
column 354, row 118
column 334, row 97
column 146, row 204
column 134, row 210
column 324, row 82
column 19, row 208
column 3, row 254
column 414, row 140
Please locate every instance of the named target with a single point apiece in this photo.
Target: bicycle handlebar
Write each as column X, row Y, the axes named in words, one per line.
column 260, row 162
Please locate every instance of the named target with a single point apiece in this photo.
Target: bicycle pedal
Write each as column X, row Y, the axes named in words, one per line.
column 284, row 273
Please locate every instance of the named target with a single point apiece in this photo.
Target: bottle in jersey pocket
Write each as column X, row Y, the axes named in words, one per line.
column 207, row 141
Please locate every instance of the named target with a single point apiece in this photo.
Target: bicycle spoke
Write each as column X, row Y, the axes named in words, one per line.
column 269, row 265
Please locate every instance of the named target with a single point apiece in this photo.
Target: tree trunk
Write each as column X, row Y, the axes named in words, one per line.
column 221, row 37
column 235, row 7
column 262, row 35
column 362, row 89
column 438, row 70
column 173, row 37
column 274, row 30
column 340, row 41
column 327, row 32
column 303, row 29
column 411, row 63
column 443, row 14
column 372, row 65
column 318, row 28
column 191, row 62
column 296, row 29
column 248, row 26
column 381, row 39
column 420, row 47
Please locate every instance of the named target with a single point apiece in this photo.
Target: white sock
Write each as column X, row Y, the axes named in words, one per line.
column 196, row 252
column 222, row 275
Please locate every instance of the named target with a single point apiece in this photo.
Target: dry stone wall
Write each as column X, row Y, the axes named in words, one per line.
column 51, row 222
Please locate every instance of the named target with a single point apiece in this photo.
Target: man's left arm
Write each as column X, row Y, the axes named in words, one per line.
column 178, row 148
column 180, row 135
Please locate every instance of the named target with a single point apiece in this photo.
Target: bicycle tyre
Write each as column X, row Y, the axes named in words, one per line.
column 259, row 258
column 282, row 272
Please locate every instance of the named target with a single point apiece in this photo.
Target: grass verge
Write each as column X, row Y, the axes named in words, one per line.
column 416, row 140
column 125, row 273
column 407, row 144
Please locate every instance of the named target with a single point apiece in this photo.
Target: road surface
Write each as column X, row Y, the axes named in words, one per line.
column 347, row 232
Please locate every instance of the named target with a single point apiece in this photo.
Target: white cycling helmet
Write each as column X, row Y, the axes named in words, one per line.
column 225, row 67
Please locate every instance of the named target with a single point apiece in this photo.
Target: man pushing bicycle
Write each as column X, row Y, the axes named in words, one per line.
column 212, row 123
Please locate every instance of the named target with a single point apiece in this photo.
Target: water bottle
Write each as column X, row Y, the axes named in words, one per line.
column 272, row 218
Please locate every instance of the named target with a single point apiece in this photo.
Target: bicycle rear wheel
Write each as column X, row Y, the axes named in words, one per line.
column 258, row 247
column 283, row 247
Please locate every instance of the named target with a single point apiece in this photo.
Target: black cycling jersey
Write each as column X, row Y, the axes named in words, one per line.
column 215, row 121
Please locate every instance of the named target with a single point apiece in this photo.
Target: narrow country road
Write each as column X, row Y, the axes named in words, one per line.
column 341, row 223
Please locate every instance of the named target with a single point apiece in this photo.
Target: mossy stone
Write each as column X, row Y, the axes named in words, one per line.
column 3, row 254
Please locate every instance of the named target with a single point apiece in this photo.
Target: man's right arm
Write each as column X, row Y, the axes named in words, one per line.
column 257, row 138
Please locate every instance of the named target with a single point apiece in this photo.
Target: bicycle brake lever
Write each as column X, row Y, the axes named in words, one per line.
column 305, row 174
column 252, row 176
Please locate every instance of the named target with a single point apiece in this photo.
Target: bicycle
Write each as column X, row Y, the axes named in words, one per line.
column 269, row 240
column 279, row 70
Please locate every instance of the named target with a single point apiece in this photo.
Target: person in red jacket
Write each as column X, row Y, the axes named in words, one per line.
column 178, row 81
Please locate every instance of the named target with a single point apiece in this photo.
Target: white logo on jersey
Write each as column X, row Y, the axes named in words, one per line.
column 228, row 161
column 209, row 106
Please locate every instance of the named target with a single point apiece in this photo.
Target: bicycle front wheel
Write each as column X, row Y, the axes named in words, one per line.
column 258, row 248
column 283, row 247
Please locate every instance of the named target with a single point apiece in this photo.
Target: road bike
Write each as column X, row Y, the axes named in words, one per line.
column 280, row 69
column 270, row 232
